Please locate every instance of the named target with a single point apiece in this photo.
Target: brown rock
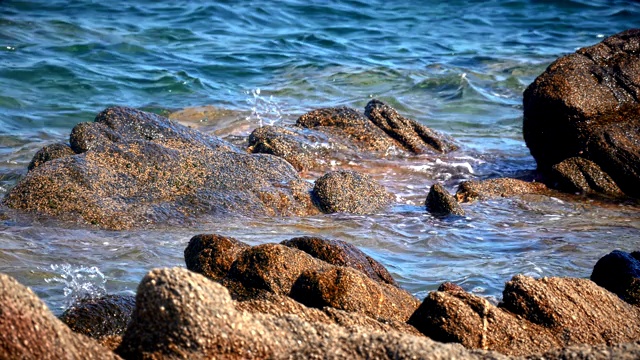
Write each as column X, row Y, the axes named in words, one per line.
column 412, row 135
column 50, row 152
column 140, row 168
column 579, row 175
column 535, row 316
column 212, row 255
column 440, row 203
column 350, row 192
column 502, row 187
column 347, row 126
column 340, row 253
column 104, row 319
column 450, row 287
column 182, row 314
column 270, row 267
column 472, row 321
column 350, row 290
column 586, row 104
column 303, row 151
column 28, row 330
column 627, row 351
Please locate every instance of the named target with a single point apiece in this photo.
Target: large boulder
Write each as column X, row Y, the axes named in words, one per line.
column 586, row 104
column 619, row 272
column 472, row 190
column 132, row 168
column 28, row 330
column 535, row 316
column 212, row 255
column 181, row 314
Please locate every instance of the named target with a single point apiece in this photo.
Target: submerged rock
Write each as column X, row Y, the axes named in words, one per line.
column 350, row 192
column 341, row 253
column 535, row 316
column 440, row 203
column 493, row 188
column 587, row 105
column 28, row 330
column 181, row 314
column 104, row 319
column 579, row 175
column 135, row 168
column 619, row 272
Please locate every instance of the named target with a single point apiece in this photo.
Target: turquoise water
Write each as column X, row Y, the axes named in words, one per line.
column 458, row 66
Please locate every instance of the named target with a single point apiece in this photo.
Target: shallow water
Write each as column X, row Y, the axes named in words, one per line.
column 459, row 67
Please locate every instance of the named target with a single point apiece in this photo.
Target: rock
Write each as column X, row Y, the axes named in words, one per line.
column 181, row 314
column 350, row 192
column 412, row 135
column 212, row 255
column 450, row 287
column 48, row 153
column 340, row 253
column 619, row 272
column 579, row 175
column 535, row 316
column 347, row 126
column 28, row 330
column 440, row 203
column 350, row 290
column 576, row 310
column 302, row 150
column 586, row 104
column 140, row 169
column 270, row 267
column 460, row 317
column 627, row 351
column 502, row 187
column 104, row 319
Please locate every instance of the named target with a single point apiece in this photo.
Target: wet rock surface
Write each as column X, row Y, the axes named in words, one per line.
column 342, row 134
column 587, row 104
column 495, row 188
column 104, row 319
column 28, row 330
column 619, row 272
column 412, row 135
column 48, row 153
column 182, row 314
column 535, row 316
column 579, row 175
column 440, row 203
column 341, row 253
column 350, row 290
column 212, row 255
column 134, row 169
column 350, row 192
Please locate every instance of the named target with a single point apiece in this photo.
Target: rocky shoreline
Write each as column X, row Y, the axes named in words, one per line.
column 310, row 297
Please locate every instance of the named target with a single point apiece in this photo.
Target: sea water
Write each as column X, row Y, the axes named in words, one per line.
column 459, row 67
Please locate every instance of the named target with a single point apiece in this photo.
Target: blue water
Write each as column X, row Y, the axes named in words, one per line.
column 458, row 66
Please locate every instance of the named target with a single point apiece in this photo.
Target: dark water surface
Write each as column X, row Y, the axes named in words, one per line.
column 457, row 66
